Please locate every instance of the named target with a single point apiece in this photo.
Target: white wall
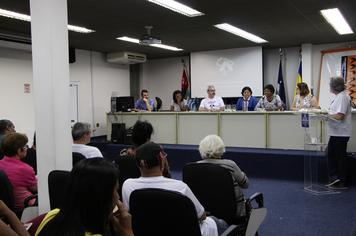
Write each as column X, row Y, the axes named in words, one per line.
column 96, row 79
column 161, row 77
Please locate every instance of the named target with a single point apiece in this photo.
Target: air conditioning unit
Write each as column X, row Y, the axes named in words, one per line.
column 125, row 57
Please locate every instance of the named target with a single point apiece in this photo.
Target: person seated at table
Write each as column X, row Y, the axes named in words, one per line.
column 247, row 102
column 145, row 103
column 303, row 99
column 212, row 102
column 269, row 101
column 90, row 205
column 178, row 103
column 211, row 149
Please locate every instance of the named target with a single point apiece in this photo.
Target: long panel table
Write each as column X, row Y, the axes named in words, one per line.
column 281, row 130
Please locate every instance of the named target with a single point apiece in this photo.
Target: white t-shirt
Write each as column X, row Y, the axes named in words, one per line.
column 87, row 151
column 207, row 226
column 341, row 104
column 212, row 103
column 177, row 107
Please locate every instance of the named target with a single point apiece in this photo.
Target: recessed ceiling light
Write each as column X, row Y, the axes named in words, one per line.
column 133, row 40
column 337, row 20
column 128, row 39
column 24, row 17
column 166, row 47
column 239, row 32
column 177, row 7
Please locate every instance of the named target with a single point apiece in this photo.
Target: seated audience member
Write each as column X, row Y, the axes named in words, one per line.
column 211, row 149
column 178, row 103
column 151, row 160
column 141, row 134
column 145, row 103
column 6, row 127
column 81, row 136
column 13, row 226
column 89, row 204
column 212, row 102
column 30, row 157
column 303, row 99
column 247, row 102
column 22, row 176
column 269, row 101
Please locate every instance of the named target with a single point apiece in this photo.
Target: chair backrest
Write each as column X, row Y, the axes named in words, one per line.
column 58, row 181
column 6, row 193
column 158, row 103
column 31, row 159
column 162, row 212
column 214, row 188
column 127, row 169
column 77, row 157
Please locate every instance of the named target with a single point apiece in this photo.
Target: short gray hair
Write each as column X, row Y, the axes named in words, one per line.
column 210, row 87
column 79, row 130
column 212, row 146
column 337, row 84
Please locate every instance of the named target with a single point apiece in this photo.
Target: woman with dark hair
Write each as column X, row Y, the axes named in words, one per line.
column 339, row 130
column 90, row 201
column 178, row 103
column 247, row 102
column 269, row 101
column 303, row 98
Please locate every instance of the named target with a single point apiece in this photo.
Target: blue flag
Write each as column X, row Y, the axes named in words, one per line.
column 280, row 86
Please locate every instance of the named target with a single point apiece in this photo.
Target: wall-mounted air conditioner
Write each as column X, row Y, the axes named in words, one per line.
column 125, row 57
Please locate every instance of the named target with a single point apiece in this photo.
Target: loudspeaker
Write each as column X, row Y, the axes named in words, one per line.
column 118, row 133
column 71, row 55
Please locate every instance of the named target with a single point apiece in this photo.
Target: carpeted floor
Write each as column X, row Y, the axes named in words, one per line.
column 292, row 211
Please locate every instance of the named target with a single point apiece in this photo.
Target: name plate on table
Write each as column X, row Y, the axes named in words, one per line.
column 305, row 120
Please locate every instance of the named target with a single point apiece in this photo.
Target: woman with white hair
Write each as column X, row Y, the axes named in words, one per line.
column 339, row 130
column 211, row 149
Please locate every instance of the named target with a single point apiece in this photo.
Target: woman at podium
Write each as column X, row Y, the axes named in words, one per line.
column 339, row 130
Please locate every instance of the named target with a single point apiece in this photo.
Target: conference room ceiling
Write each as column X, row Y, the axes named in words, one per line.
column 283, row 23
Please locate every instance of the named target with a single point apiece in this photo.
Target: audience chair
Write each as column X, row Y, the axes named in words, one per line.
column 58, row 181
column 161, row 212
column 214, row 188
column 127, row 169
column 77, row 157
column 31, row 159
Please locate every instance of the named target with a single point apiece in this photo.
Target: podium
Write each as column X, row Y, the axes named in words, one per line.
column 315, row 157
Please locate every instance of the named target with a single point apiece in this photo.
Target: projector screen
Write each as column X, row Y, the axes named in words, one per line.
column 228, row 70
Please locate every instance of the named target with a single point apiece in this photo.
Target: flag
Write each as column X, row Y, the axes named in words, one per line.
column 280, row 84
column 185, row 83
column 299, row 77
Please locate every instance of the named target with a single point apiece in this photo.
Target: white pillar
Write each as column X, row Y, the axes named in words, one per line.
column 51, row 90
column 307, row 65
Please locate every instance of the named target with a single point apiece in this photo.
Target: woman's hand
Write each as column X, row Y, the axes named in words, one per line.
column 121, row 220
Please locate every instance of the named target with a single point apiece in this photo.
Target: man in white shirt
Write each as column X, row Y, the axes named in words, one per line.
column 212, row 102
column 151, row 160
column 81, row 136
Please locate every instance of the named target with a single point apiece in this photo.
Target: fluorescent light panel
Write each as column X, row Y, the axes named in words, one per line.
column 177, row 7
column 337, row 20
column 133, row 40
column 24, row 17
column 239, row 32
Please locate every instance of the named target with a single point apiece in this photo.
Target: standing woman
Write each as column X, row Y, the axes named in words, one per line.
column 178, row 103
column 303, row 98
column 339, row 130
column 247, row 102
column 269, row 101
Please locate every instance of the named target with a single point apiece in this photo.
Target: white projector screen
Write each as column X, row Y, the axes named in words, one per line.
column 228, row 70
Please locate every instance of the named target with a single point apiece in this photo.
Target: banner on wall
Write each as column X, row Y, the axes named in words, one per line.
column 339, row 62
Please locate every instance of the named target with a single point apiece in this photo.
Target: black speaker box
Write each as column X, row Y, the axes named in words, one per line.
column 71, row 55
column 118, row 133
